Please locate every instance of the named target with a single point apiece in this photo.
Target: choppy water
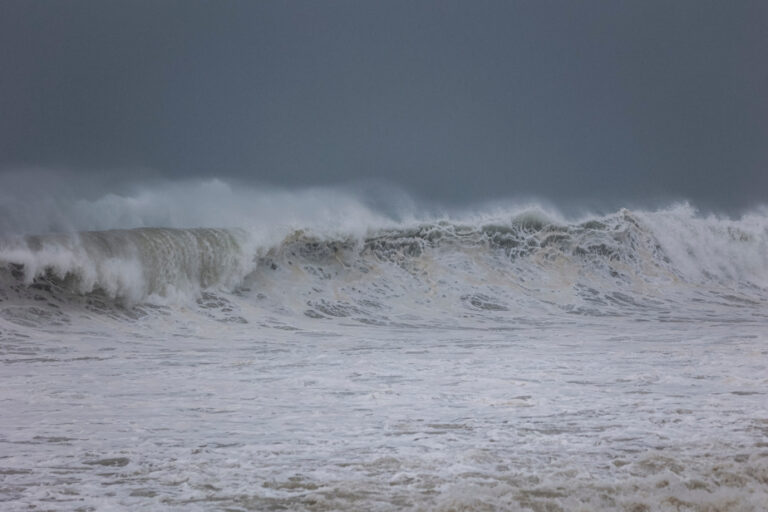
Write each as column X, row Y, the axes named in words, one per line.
column 523, row 363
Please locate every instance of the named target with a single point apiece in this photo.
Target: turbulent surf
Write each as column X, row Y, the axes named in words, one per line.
column 514, row 360
column 643, row 262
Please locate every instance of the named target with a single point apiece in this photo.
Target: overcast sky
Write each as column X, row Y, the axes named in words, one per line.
column 457, row 101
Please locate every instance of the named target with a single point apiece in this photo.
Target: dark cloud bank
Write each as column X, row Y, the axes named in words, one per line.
column 602, row 102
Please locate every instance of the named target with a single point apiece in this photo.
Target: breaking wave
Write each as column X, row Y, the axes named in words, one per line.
column 505, row 265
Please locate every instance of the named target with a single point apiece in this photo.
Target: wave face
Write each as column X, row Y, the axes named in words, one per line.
column 525, row 263
column 132, row 265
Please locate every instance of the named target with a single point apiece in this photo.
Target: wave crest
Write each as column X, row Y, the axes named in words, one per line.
column 528, row 262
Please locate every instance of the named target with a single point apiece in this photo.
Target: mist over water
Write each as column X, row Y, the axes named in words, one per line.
column 203, row 345
column 210, row 235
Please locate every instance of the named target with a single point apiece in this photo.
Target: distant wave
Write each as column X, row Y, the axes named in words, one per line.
column 526, row 262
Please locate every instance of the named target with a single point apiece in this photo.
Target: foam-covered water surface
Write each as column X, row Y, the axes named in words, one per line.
column 518, row 361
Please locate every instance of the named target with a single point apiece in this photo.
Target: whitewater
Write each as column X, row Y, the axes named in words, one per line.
column 306, row 351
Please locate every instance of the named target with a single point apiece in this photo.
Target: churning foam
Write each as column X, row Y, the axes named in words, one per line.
column 199, row 347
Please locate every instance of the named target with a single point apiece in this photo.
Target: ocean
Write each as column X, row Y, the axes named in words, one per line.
column 508, row 360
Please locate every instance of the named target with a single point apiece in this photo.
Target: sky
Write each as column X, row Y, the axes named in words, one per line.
column 608, row 102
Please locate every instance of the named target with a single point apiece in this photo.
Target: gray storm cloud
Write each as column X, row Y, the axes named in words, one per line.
column 602, row 102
